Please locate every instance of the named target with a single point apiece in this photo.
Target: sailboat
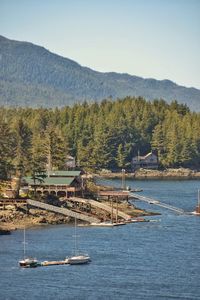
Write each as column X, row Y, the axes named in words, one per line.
column 27, row 262
column 197, row 211
column 77, row 258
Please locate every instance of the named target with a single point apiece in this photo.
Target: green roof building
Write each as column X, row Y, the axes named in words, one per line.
column 60, row 183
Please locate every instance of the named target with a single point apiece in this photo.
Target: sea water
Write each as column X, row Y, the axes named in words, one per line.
column 151, row 260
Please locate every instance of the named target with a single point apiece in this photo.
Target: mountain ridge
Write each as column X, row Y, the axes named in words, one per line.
column 33, row 76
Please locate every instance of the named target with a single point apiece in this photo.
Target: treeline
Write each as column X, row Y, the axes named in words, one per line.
column 104, row 135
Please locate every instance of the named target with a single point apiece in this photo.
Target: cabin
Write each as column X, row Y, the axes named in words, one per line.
column 59, row 183
column 148, row 161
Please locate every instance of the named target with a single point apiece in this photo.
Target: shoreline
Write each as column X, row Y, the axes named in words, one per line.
column 168, row 174
column 12, row 220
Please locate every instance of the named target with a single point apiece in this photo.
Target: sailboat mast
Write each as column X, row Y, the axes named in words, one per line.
column 24, row 243
column 75, row 240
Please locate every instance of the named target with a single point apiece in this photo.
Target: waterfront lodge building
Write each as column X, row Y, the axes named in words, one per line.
column 58, row 183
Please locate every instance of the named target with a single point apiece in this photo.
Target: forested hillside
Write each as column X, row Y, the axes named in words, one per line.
column 34, row 77
column 104, row 135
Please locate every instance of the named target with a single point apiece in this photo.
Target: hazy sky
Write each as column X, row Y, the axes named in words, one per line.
column 149, row 38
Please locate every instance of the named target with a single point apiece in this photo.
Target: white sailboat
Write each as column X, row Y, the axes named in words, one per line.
column 197, row 211
column 27, row 262
column 77, row 258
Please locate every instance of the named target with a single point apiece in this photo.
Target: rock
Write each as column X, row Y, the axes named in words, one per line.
column 43, row 220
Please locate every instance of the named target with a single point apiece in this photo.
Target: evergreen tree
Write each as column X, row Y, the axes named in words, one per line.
column 157, row 142
column 21, row 147
column 55, row 148
column 6, row 150
column 38, row 163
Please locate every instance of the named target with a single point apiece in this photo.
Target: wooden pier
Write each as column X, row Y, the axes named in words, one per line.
column 157, row 202
column 102, row 206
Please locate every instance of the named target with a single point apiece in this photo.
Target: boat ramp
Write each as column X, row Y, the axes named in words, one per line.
column 63, row 211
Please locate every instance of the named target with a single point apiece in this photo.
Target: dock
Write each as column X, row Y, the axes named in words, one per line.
column 157, row 202
column 54, row 263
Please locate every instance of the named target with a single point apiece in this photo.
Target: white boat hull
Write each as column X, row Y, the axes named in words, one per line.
column 107, row 224
column 28, row 263
column 195, row 213
column 78, row 259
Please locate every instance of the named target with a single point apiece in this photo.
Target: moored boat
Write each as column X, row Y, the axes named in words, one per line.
column 107, row 224
column 78, row 259
column 197, row 210
column 136, row 220
column 28, row 262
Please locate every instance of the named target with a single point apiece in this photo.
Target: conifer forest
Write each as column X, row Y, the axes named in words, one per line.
column 99, row 135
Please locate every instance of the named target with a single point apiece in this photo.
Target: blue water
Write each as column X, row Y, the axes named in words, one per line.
column 154, row 260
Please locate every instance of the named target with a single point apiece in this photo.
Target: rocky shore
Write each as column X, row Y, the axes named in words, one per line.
column 180, row 173
column 11, row 219
column 16, row 219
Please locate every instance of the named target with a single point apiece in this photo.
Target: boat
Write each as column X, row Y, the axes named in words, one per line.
column 197, row 210
column 136, row 190
column 107, row 224
column 136, row 220
column 77, row 258
column 27, row 262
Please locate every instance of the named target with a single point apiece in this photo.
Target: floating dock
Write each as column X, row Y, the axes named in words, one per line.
column 54, row 263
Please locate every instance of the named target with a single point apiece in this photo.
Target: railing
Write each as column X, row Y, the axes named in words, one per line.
column 156, row 202
column 13, row 201
column 102, row 206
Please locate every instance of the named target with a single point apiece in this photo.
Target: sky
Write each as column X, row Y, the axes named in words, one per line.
column 149, row 38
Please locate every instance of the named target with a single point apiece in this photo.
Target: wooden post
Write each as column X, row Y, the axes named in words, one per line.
column 117, row 211
column 111, row 210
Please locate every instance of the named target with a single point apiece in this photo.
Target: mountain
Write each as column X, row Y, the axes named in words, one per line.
column 33, row 76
